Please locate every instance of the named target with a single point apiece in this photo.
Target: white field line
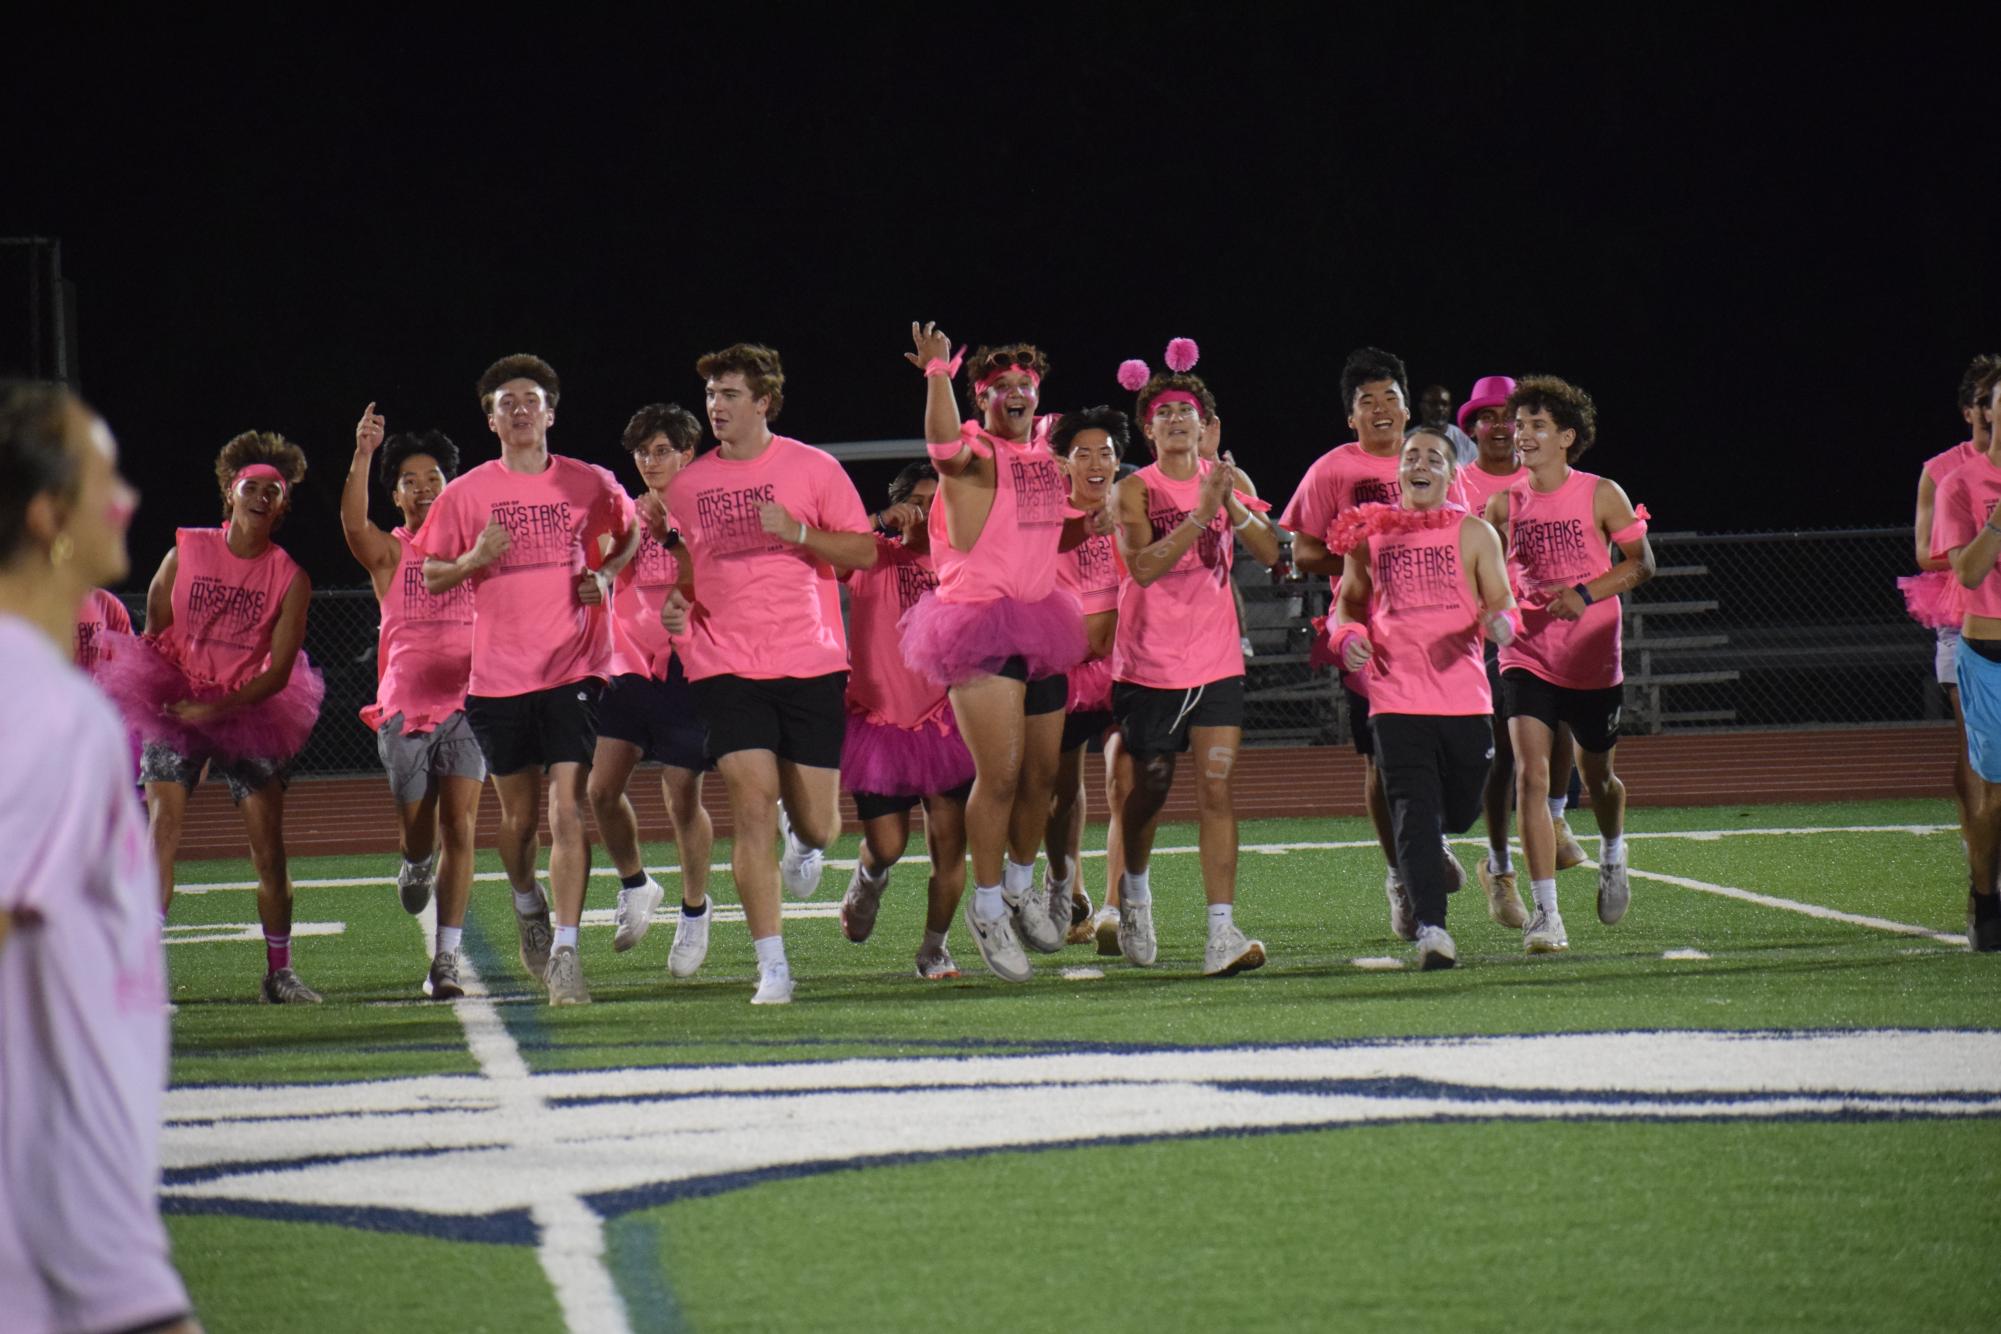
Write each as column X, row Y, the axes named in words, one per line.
column 1794, row 905
column 210, row 933
column 571, row 1248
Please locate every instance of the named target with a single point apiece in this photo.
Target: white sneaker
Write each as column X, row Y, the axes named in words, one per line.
column 691, row 941
column 413, row 883
column 1230, row 952
column 1544, row 933
column 1435, row 948
column 565, row 978
column 537, row 935
column 999, row 949
column 635, row 913
column 936, row 965
column 774, row 986
column 799, row 869
column 1032, row 923
column 1403, row 918
column 1615, row 893
column 1136, row 940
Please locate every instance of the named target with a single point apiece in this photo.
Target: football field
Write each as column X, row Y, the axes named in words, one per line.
column 1767, row 1098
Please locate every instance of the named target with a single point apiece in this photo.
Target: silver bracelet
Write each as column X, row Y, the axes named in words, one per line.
column 802, row 533
column 1250, row 517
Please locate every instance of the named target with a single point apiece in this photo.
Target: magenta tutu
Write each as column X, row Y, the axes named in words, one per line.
column 953, row 642
column 1090, row 687
column 891, row 761
column 142, row 682
column 1935, row 598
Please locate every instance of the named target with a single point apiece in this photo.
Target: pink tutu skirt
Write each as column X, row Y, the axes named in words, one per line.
column 891, row 761
column 1090, row 687
column 142, row 681
column 953, row 642
column 1935, row 598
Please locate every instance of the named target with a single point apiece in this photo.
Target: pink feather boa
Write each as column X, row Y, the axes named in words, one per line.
column 1356, row 526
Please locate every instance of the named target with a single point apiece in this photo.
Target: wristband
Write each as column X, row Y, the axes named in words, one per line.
column 1584, row 593
column 940, row 366
column 1338, row 641
column 1512, row 617
column 802, row 534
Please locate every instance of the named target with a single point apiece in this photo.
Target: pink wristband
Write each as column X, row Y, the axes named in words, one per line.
column 1513, row 617
column 1338, row 641
column 940, row 366
column 1635, row 530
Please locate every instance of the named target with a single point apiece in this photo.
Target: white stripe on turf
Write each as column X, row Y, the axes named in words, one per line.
column 1826, row 914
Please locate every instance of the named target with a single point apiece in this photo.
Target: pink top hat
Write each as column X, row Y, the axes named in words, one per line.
column 1489, row 391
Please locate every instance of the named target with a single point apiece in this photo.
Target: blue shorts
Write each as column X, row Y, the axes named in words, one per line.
column 1980, row 705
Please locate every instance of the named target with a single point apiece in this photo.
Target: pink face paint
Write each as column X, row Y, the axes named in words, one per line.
column 121, row 509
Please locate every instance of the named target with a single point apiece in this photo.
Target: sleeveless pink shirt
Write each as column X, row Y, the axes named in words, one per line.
column 1015, row 554
column 1090, row 570
column 101, row 612
column 225, row 607
column 1424, row 622
column 423, row 652
column 1554, row 539
column 1181, row 630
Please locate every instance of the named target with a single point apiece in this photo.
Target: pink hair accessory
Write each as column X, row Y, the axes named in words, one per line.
column 940, row 366
column 1174, row 396
column 1133, row 375
column 261, row 472
column 1182, row 354
column 981, row 386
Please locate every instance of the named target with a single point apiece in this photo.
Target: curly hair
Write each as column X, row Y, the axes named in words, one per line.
column 1981, row 368
column 1167, row 381
column 1366, row 365
column 35, row 456
column 763, row 373
column 668, row 419
column 519, row 366
column 1101, row 418
column 1567, row 405
column 402, row 445
column 988, row 361
column 259, row 447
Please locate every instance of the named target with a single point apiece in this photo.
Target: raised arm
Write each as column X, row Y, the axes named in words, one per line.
column 941, row 411
column 376, row 550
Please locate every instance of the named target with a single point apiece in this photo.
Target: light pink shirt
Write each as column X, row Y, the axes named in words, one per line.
column 225, row 607
column 1181, row 630
column 1424, row 622
column 529, row 632
column 764, row 608
column 423, row 652
column 640, row 644
column 1943, row 464
column 1344, row 477
column 1481, row 486
column 1014, row 555
column 1091, row 571
column 1554, row 538
column 1966, row 501
column 883, row 688
column 101, row 611
column 83, row 1024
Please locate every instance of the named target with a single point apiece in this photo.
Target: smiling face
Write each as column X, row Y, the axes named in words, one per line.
column 521, row 415
column 1543, row 447
column 419, row 479
column 735, row 416
column 256, row 504
column 1175, row 430
column 1425, row 470
column 659, row 459
column 1009, row 403
column 1094, row 466
column 1378, row 417
column 1494, row 433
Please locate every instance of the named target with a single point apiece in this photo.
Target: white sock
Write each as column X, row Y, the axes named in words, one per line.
column 770, row 952
column 566, row 938
column 1134, row 890
column 1556, row 805
column 934, row 941
column 529, row 902
column 1500, row 863
column 1016, row 878
column 988, row 903
column 1614, row 848
column 448, row 939
column 1222, row 916
column 1545, row 894
column 873, row 877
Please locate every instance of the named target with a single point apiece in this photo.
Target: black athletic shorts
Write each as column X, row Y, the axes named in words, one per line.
column 1046, row 694
column 1157, row 722
column 657, row 716
column 1593, row 715
column 871, row 805
column 1359, row 725
column 801, row 719
column 1084, row 729
column 543, row 727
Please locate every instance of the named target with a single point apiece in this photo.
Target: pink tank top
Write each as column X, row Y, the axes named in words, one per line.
column 101, row 612
column 639, row 643
column 1554, row 539
column 1181, row 630
column 882, row 687
column 1481, row 486
column 225, row 607
column 1015, row 554
column 1090, row 570
column 423, row 652
column 1425, row 624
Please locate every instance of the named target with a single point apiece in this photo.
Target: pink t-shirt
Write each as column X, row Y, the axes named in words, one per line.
column 529, row 632
column 883, row 688
column 1091, row 571
column 1943, row 464
column 100, row 612
column 1181, row 630
column 1966, row 501
column 640, row 644
column 764, row 608
column 1015, row 554
column 423, row 652
column 1554, row 538
column 1344, row 477
column 1424, row 622
column 83, row 1023
column 1481, row 486
column 225, row 607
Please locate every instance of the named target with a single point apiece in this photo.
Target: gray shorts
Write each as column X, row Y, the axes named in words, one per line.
column 1945, row 660
column 414, row 759
column 160, row 763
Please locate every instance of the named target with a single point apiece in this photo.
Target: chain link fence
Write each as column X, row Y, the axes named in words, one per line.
column 1735, row 630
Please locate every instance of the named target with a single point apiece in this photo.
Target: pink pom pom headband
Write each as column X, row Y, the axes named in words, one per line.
column 1182, row 354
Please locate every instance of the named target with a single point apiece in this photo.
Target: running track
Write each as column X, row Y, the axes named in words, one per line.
column 344, row 816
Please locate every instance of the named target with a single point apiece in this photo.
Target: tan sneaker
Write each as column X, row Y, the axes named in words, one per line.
column 1569, row 852
column 1504, row 900
column 565, row 978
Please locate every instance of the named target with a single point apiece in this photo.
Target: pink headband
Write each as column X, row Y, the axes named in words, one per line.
column 1175, row 396
column 262, row 471
column 981, row 386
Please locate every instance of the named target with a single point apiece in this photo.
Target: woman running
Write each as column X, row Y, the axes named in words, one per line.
column 220, row 679
column 902, row 745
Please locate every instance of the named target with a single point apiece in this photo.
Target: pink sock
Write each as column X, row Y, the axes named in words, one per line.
column 277, row 952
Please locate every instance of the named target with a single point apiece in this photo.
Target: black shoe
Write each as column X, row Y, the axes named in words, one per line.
column 1983, row 922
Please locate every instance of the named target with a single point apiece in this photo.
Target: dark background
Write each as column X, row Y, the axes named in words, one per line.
column 1763, row 243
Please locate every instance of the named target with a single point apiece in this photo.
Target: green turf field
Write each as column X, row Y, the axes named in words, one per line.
column 1140, row 1149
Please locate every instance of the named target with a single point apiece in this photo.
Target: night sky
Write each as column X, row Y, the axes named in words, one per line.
column 1768, row 252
